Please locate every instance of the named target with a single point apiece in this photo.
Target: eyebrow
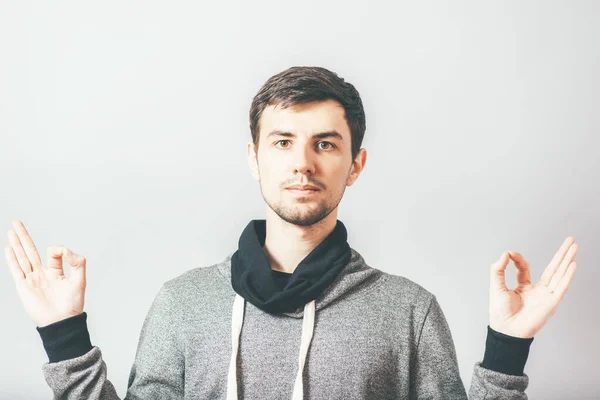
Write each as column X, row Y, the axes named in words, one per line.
column 320, row 135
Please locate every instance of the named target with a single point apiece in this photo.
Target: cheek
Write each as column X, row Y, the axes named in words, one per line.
column 269, row 179
column 338, row 174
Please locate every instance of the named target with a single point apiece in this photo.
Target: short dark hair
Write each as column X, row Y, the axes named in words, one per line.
column 297, row 85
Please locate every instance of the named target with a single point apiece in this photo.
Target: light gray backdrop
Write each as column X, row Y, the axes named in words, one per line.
column 124, row 128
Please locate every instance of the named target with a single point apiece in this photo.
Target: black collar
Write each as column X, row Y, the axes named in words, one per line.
column 253, row 278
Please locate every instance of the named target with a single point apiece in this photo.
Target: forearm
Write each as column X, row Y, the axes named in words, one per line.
column 75, row 369
column 500, row 374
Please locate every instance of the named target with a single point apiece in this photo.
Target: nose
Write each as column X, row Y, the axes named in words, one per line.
column 303, row 162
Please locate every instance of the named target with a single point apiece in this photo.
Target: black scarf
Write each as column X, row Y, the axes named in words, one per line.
column 253, row 278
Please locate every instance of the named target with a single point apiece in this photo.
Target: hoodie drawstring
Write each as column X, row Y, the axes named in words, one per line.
column 237, row 318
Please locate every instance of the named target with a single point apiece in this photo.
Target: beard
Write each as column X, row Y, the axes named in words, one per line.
column 299, row 215
column 303, row 216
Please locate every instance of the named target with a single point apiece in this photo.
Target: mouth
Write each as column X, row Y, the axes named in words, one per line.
column 303, row 192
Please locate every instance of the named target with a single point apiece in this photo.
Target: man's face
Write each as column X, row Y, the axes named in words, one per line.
column 305, row 144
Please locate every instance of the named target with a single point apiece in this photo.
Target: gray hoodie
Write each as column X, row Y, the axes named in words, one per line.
column 370, row 335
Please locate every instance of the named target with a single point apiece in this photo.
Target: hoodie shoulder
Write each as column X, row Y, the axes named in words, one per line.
column 204, row 280
column 402, row 291
column 405, row 302
column 406, row 284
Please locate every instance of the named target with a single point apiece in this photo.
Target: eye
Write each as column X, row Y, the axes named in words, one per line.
column 329, row 145
column 280, row 141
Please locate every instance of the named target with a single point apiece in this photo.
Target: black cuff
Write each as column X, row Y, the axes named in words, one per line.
column 67, row 338
column 504, row 353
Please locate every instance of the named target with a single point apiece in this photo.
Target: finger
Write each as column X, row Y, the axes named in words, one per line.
column 14, row 242
column 55, row 261
column 564, row 283
column 523, row 271
column 77, row 263
column 560, row 272
column 497, row 279
column 13, row 264
column 28, row 246
column 556, row 260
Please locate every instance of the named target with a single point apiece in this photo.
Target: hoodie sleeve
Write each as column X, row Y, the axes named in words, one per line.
column 76, row 369
column 435, row 373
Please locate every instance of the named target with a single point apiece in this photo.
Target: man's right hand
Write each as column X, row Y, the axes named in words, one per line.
column 46, row 293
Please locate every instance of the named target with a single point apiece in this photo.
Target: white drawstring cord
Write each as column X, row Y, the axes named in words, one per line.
column 308, row 324
column 237, row 318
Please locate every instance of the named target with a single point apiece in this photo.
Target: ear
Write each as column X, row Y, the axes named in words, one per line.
column 252, row 161
column 357, row 166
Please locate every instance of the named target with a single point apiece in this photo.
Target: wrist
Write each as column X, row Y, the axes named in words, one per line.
column 42, row 323
column 508, row 332
column 66, row 339
column 504, row 353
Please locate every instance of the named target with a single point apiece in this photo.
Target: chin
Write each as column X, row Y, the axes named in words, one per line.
column 306, row 218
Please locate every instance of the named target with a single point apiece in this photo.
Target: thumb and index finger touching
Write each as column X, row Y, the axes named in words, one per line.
column 55, row 262
column 498, row 282
column 498, row 269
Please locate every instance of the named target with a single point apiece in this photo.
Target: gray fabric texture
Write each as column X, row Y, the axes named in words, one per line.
column 376, row 336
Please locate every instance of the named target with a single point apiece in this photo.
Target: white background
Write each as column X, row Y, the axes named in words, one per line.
column 123, row 131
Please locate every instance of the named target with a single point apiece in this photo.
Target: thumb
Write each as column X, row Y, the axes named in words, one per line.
column 77, row 263
column 497, row 278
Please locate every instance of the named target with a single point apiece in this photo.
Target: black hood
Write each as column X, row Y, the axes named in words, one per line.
column 278, row 292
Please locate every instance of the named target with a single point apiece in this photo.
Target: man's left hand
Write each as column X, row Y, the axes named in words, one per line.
column 522, row 312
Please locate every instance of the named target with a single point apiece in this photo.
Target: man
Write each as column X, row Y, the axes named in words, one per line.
column 308, row 317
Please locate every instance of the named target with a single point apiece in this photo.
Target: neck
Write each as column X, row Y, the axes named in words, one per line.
column 287, row 244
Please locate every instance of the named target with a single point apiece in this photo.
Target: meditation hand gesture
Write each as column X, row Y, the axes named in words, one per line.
column 47, row 294
column 522, row 312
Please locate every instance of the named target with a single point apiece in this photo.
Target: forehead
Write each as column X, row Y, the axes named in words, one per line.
column 306, row 118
